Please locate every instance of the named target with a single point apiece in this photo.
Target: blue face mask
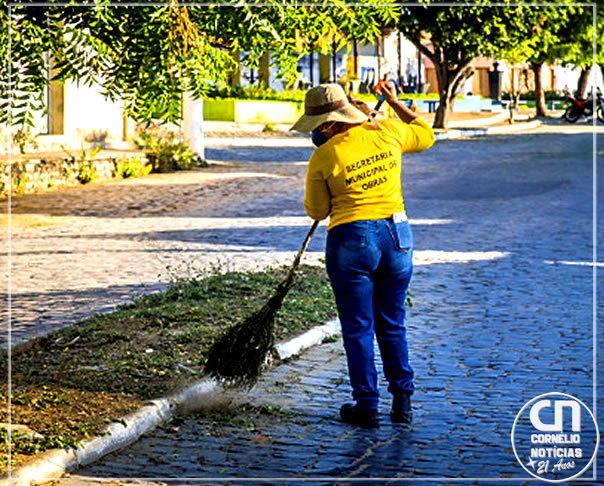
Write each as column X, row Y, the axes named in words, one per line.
column 318, row 138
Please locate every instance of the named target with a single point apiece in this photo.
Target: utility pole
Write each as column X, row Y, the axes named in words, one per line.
column 379, row 56
column 333, row 62
column 400, row 60
column 419, row 71
column 355, row 54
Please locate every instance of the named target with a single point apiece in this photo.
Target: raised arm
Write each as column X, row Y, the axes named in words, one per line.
column 401, row 110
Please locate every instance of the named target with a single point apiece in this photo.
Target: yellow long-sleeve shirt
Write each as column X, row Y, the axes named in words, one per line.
column 356, row 175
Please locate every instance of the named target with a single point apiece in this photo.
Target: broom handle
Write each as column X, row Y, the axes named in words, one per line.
column 287, row 281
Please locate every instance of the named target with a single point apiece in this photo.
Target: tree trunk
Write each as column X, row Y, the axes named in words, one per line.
column 449, row 85
column 264, row 71
column 56, row 103
column 324, row 68
column 514, row 94
column 449, row 81
column 333, row 62
column 513, row 90
column 443, row 113
column 235, row 74
column 511, row 107
column 582, row 84
column 539, row 91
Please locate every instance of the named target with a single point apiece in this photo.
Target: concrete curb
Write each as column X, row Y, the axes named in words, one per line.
column 246, row 141
column 233, row 127
column 305, row 141
column 499, row 117
column 495, row 130
column 55, row 463
column 230, row 127
column 316, row 335
column 514, row 127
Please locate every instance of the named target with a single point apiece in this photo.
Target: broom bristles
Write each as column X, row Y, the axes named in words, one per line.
column 238, row 355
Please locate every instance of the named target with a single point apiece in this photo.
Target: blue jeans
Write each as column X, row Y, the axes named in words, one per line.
column 369, row 264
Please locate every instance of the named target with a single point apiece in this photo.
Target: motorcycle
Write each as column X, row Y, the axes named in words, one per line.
column 579, row 108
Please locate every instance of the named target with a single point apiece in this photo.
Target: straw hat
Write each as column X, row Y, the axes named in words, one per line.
column 327, row 102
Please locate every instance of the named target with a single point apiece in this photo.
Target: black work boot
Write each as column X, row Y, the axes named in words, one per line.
column 363, row 417
column 401, row 408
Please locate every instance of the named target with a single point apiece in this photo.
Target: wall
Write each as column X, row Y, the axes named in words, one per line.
column 480, row 82
column 89, row 114
column 430, row 80
column 43, row 174
column 245, row 111
column 409, row 63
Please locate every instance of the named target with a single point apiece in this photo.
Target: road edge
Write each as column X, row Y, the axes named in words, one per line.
column 54, row 463
column 494, row 130
column 229, row 140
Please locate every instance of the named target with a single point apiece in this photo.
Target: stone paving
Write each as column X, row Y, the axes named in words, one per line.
column 502, row 306
column 87, row 249
column 487, row 333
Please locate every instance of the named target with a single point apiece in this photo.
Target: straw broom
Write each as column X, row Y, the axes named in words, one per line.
column 237, row 356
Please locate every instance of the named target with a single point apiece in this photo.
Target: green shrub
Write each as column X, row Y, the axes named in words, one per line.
column 20, row 184
column 165, row 150
column 24, row 139
column 530, row 96
column 133, row 167
column 422, row 96
column 256, row 93
column 87, row 172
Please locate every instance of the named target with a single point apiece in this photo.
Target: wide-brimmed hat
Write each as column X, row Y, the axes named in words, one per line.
column 327, row 102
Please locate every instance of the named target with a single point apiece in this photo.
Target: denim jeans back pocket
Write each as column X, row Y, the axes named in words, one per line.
column 352, row 236
column 402, row 235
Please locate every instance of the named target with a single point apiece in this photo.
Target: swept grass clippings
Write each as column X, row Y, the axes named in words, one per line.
column 69, row 384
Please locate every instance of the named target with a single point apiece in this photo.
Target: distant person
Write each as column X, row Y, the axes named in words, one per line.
column 354, row 177
column 385, row 81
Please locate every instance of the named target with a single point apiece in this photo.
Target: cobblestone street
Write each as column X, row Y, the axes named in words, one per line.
column 88, row 249
column 502, row 292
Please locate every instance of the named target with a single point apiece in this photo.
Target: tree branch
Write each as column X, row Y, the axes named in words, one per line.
column 423, row 49
column 461, row 76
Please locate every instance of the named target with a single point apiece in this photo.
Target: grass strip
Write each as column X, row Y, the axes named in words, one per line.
column 67, row 385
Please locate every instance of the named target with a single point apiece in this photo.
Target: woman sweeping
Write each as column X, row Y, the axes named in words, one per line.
column 354, row 177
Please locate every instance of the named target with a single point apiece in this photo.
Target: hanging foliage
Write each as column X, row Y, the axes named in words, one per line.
column 451, row 36
column 148, row 54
